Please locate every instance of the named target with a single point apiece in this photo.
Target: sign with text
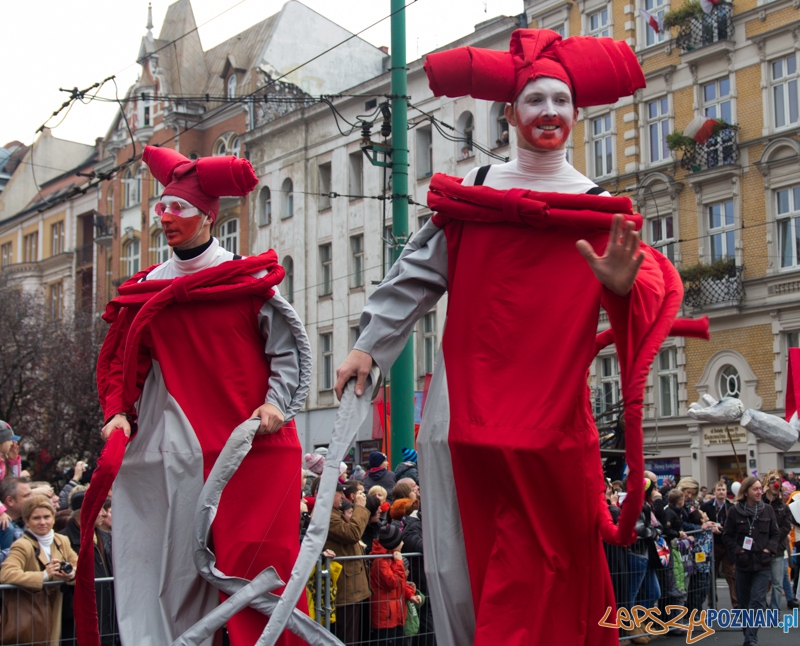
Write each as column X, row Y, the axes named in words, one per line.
column 724, row 435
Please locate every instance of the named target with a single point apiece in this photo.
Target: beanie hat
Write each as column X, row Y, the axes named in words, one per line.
column 409, row 455
column 390, row 536
column 598, row 71
column 358, row 472
column 313, row 463
column 372, row 504
column 342, row 469
column 346, row 504
column 203, row 181
column 376, row 459
column 76, row 501
column 7, row 433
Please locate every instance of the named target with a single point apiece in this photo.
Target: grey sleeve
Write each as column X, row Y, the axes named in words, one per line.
column 413, row 285
column 289, row 353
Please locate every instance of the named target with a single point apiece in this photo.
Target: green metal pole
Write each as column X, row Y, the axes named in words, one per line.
column 402, row 372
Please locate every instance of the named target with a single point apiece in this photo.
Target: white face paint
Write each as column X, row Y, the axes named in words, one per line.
column 543, row 115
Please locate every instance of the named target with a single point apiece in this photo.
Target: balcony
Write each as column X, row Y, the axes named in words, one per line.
column 703, row 29
column 84, row 255
column 103, row 228
column 720, row 150
column 719, row 283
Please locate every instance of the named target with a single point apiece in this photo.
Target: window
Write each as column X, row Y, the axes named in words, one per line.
column 465, row 130
column 287, row 199
column 721, row 231
column 232, row 86
column 388, row 249
column 609, row 393
column 668, row 382
column 160, row 247
column 156, row 188
column 602, row 143
column 428, row 342
column 355, row 331
column 793, row 339
column 227, row 144
column 658, row 128
column 357, row 261
column 424, row 152
column 132, row 181
column 146, row 117
column 110, row 200
column 288, row 279
column 729, row 382
column 788, row 218
column 55, row 301
column 598, row 23
column 324, row 186
column 718, row 104
column 662, row 235
column 6, row 254
column 356, row 185
column 784, row 91
column 130, row 258
column 57, row 238
column 236, row 147
column 499, row 124
column 658, row 8
column 325, row 270
column 264, row 207
column 229, row 235
column 326, row 361
column 30, row 247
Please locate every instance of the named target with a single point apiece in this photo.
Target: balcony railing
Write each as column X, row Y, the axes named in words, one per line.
column 103, row 226
column 724, row 287
column 717, row 151
column 706, row 28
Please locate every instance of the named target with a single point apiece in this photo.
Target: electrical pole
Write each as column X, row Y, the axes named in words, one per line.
column 402, row 372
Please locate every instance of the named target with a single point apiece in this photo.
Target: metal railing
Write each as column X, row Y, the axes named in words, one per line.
column 706, row 28
column 716, row 291
column 719, row 150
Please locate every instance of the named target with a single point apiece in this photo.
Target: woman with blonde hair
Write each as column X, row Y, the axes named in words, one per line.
column 33, row 614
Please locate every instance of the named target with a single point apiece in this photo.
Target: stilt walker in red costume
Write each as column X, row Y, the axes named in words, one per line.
column 528, row 252
column 197, row 345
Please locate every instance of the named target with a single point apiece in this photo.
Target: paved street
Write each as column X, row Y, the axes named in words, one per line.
column 766, row 637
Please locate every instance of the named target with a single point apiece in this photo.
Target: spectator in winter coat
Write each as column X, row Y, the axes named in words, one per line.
column 717, row 510
column 751, row 537
column 408, row 467
column 379, row 473
column 371, row 532
column 13, row 494
column 673, row 519
column 774, row 497
column 353, row 585
column 390, row 589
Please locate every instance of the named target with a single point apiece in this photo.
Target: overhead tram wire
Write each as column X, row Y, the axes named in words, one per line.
column 111, row 173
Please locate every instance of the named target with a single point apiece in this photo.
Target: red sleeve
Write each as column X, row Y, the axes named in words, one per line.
column 109, row 367
column 408, row 591
column 641, row 321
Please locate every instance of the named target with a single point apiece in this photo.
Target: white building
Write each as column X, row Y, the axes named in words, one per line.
column 334, row 249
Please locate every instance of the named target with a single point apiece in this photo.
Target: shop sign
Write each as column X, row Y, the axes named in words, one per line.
column 724, row 435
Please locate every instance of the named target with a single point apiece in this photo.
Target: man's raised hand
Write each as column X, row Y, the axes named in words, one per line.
column 118, row 421
column 357, row 364
column 618, row 266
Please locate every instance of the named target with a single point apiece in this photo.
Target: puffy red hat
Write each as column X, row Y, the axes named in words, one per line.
column 598, row 71
column 203, row 181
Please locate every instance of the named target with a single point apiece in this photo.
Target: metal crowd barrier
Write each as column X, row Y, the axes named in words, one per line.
column 373, row 620
column 28, row 620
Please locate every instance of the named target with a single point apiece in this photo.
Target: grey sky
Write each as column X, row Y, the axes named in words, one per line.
column 47, row 44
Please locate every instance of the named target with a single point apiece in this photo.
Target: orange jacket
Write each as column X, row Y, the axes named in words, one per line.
column 390, row 590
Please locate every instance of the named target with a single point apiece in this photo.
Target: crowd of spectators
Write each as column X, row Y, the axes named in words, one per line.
column 39, row 544
column 684, row 530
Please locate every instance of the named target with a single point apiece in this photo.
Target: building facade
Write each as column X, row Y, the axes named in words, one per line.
column 723, row 212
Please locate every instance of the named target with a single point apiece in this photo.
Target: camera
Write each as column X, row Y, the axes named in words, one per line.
column 65, row 567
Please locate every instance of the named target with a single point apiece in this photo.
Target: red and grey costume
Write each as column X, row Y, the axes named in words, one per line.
column 194, row 347
column 509, row 405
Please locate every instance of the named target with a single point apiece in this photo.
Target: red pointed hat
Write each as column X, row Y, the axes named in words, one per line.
column 203, row 181
column 598, row 71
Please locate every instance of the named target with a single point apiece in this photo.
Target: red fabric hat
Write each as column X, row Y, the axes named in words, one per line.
column 598, row 71
column 203, row 181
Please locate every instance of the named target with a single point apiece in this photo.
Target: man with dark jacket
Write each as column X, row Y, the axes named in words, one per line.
column 104, row 592
column 717, row 510
column 774, row 497
column 751, row 537
column 379, row 474
column 353, row 586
